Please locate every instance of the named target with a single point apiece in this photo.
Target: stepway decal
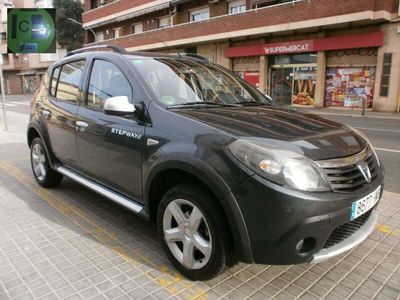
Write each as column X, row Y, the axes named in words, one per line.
column 127, row 133
column 31, row 30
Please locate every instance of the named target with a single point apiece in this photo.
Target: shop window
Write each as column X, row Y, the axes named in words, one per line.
column 294, row 85
column 137, row 28
column 252, row 77
column 199, row 14
column 164, row 22
column 305, row 58
column 235, row 7
column 349, row 86
column 386, row 70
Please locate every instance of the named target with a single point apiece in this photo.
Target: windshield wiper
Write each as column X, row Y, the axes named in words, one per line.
column 202, row 103
column 250, row 103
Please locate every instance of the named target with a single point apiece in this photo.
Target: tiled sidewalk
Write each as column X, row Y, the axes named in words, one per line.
column 70, row 243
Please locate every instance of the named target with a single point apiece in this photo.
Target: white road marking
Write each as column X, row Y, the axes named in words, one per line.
column 19, row 102
column 9, row 105
column 387, row 150
column 377, row 129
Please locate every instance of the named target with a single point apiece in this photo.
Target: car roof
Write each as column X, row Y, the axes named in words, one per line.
column 83, row 53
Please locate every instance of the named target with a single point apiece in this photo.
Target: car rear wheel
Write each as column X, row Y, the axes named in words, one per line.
column 44, row 175
column 193, row 232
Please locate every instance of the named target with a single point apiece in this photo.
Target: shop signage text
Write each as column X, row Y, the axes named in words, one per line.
column 365, row 40
column 298, row 47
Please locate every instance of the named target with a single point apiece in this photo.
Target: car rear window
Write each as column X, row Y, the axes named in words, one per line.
column 69, row 81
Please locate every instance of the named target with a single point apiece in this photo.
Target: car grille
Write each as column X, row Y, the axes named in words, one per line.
column 344, row 231
column 349, row 178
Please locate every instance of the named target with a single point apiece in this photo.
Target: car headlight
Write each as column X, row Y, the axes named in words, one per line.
column 362, row 134
column 282, row 167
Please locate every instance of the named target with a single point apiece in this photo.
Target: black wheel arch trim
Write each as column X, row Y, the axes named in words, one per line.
column 47, row 148
column 216, row 184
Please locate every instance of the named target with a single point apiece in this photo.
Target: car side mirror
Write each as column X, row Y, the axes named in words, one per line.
column 119, row 106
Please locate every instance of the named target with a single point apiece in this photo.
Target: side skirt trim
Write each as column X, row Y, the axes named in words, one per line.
column 129, row 204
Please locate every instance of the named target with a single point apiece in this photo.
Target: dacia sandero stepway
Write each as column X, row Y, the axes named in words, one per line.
column 225, row 173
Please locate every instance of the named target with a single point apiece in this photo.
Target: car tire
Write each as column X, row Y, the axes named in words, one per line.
column 194, row 232
column 41, row 169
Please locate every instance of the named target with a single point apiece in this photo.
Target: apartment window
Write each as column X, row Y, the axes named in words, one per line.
column 44, row 3
column 116, row 32
column 265, row 3
column 199, row 14
column 237, row 7
column 44, row 57
column 137, row 28
column 386, row 70
column 94, row 4
column 164, row 22
column 99, row 37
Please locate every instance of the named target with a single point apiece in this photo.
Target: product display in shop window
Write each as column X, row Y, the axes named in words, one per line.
column 304, row 86
column 349, row 87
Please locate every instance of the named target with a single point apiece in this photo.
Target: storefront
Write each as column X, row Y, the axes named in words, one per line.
column 292, row 77
column 248, row 69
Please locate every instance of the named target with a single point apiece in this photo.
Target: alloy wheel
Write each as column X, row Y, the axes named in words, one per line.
column 187, row 234
column 38, row 162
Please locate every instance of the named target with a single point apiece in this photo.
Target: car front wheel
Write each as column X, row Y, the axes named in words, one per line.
column 194, row 234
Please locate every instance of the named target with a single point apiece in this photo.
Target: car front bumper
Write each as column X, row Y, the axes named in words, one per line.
column 279, row 218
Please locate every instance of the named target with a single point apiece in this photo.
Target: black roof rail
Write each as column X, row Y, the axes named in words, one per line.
column 117, row 49
column 193, row 55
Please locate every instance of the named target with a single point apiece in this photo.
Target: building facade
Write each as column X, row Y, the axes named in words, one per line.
column 23, row 72
column 313, row 53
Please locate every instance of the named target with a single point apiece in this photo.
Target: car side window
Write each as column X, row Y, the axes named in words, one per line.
column 68, row 83
column 106, row 80
column 54, row 80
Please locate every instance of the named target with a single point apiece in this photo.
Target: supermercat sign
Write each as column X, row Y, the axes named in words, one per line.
column 364, row 40
column 284, row 48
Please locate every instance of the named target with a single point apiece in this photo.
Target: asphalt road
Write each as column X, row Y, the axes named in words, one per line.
column 383, row 133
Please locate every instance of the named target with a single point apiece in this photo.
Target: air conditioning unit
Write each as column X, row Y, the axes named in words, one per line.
column 213, row 1
column 102, row 2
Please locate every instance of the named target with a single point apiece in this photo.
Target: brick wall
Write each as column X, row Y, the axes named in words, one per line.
column 112, row 8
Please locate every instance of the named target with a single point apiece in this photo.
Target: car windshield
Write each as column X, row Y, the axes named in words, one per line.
column 184, row 82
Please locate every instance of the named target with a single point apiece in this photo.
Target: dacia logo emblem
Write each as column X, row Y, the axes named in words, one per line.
column 364, row 169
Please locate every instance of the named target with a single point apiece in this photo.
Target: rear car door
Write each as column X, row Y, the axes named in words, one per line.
column 59, row 111
column 110, row 147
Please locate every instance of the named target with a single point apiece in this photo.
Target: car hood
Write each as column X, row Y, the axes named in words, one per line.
column 306, row 134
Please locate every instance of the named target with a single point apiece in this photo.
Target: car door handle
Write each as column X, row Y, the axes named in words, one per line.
column 46, row 114
column 81, row 126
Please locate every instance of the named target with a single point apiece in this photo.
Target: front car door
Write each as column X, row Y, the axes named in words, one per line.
column 110, row 147
column 59, row 110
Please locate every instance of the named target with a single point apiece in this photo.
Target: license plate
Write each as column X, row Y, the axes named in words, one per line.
column 363, row 205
